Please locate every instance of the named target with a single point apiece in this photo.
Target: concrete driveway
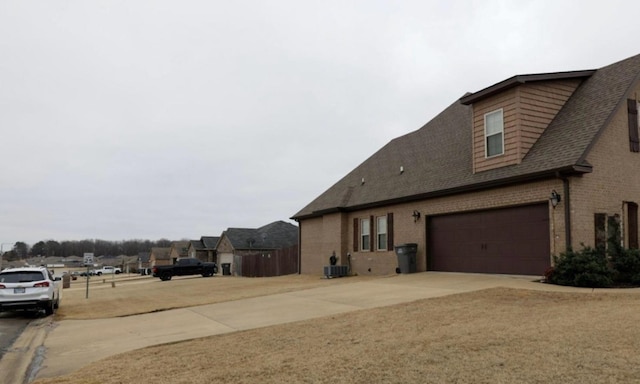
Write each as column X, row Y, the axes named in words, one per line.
column 72, row 344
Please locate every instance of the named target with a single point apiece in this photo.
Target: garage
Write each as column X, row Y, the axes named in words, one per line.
column 511, row 240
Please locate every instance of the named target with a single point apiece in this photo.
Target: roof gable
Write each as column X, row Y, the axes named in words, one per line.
column 210, row 242
column 196, row 245
column 586, row 114
column 160, row 253
column 143, row 257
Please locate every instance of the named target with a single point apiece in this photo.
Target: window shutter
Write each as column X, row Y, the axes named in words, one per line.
column 633, row 225
column 600, row 225
column 634, row 143
column 389, row 231
column 371, row 234
column 356, row 235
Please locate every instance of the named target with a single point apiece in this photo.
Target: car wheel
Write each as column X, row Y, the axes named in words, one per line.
column 50, row 308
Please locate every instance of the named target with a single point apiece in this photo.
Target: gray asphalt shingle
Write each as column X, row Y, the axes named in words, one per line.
column 437, row 157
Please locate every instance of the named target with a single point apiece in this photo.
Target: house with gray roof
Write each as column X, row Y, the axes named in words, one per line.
column 159, row 256
column 178, row 250
column 272, row 248
column 143, row 260
column 204, row 249
column 498, row 182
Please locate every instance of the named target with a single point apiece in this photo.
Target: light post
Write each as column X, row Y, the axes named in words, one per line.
column 2, row 253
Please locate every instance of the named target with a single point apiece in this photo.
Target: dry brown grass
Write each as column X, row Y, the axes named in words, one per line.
column 134, row 295
column 492, row 336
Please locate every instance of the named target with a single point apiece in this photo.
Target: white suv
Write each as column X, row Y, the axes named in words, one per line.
column 29, row 288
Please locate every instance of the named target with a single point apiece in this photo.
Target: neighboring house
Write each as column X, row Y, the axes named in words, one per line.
column 179, row 249
column 159, row 256
column 499, row 182
column 196, row 250
column 143, row 260
column 204, row 249
column 266, row 251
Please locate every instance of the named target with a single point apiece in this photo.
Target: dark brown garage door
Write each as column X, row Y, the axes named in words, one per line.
column 509, row 240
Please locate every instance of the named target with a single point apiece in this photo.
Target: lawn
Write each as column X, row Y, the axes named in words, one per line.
column 496, row 335
column 125, row 295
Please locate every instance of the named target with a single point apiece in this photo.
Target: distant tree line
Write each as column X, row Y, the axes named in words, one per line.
column 46, row 248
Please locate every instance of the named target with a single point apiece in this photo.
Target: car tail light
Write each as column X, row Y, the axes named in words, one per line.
column 2, row 286
column 44, row 284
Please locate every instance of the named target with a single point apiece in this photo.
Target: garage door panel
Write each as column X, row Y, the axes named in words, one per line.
column 509, row 240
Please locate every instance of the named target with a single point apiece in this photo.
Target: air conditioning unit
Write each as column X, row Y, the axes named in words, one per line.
column 335, row 271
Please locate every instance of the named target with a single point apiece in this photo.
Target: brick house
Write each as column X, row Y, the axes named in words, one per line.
column 498, row 182
column 178, row 250
column 159, row 256
column 204, row 249
column 269, row 241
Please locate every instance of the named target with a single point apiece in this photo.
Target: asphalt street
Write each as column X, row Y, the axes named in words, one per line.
column 11, row 326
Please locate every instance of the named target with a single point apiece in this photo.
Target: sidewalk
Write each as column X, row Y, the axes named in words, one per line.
column 72, row 344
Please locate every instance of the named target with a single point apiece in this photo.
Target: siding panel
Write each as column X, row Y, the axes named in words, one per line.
column 527, row 111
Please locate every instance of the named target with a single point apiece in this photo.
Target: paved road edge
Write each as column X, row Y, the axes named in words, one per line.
column 17, row 363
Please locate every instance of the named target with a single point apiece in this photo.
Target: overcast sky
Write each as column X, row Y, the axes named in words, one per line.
column 178, row 119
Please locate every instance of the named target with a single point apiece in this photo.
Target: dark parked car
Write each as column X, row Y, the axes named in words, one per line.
column 184, row 267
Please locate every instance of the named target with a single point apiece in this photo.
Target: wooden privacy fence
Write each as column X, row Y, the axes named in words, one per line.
column 270, row 263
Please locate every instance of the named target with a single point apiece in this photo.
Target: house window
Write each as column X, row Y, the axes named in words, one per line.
column 365, row 234
column 494, row 133
column 381, row 231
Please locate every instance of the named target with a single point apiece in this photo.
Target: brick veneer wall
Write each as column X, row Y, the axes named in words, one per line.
column 613, row 182
column 320, row 236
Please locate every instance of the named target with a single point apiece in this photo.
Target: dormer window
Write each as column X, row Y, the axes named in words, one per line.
column 494, row 133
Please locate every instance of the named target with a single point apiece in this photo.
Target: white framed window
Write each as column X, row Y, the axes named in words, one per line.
column 494, row 133
column 381, row 231
column 365, row 235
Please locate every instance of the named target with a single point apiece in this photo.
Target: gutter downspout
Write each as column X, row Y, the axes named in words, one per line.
column 567, row 214
column 299, row 247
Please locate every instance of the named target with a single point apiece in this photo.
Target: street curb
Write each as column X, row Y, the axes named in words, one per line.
column 16, row 362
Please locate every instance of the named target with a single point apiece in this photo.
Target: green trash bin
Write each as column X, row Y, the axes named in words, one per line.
column 406, row 257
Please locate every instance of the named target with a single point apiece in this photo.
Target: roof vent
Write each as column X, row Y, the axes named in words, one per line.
column 401, row 169
column 362, row 182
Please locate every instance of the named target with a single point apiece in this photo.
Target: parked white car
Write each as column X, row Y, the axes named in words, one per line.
column 107, row 270
column 29, row 288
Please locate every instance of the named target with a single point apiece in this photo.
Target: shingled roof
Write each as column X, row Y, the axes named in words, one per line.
column 210, row 242
column 205, row 243
column 160, row 253
column 436, row 159
column 197, row 245
column 276, row 235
